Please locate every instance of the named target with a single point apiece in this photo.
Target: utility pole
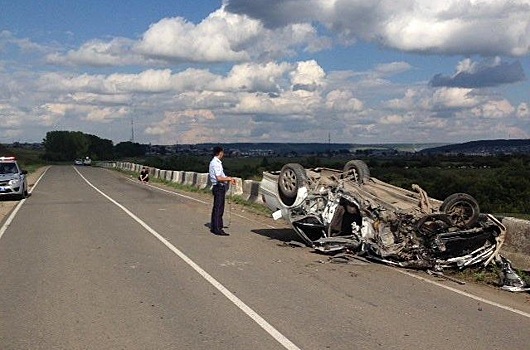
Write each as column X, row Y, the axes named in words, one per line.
column 329, row 143
column 132, row 129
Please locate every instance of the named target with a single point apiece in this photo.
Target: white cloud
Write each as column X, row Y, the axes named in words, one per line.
column 225, row 36
column 289, row 103
column 215, row 39
column 24, row 44
column 100, row 99
column 253, row 77
column 187, row 126
column 99, row 53
column 453, row 98
column 105, row 115
column 148, row 81
column 392, row 68
column 343, row 101
column 51, row 114
column 407, row 102
column 522, row 111
column 221, row 37
column 308, row 75
column 254, row 100
column 11, row 134
column 447, row 27
column 494, row 109
column 10, row 117
column 513, row 132
column 489, row 72
column 394, row 119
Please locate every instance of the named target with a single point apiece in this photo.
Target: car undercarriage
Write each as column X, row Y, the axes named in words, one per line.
column 349, row 211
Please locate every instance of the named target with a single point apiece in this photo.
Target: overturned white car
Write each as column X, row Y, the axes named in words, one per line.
column 335, row 211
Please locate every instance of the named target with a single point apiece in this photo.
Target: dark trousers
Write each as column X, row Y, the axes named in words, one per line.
column 219, row 192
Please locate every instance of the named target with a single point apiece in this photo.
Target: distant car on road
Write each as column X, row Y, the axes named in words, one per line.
column 78, row 162
column 12, row 178
column 87, row 161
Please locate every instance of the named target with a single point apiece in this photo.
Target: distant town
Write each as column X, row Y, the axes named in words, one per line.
column 473, row 148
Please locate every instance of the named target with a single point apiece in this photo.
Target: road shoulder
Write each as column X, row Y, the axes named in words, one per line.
column 7, row 204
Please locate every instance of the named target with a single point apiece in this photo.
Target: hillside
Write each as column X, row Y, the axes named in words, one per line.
column 483, row 147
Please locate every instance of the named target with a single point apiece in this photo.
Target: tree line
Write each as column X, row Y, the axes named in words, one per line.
column 65, row 146
column 501, row 184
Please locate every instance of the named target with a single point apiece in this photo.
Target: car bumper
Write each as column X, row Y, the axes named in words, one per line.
column 6, row 190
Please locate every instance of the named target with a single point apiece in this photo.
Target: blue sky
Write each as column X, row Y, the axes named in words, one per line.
column 266, row 70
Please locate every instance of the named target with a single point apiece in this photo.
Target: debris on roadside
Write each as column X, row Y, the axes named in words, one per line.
column 509, row 279
column 445, row 277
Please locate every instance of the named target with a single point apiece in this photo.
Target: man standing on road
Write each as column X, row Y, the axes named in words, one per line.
column 219, row 186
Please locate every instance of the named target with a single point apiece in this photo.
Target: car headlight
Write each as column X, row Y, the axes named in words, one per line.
column 14, row 182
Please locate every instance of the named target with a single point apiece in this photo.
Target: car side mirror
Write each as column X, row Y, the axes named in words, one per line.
column 25, row 172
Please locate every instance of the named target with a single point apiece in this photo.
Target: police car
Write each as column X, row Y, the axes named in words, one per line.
column 12, row 179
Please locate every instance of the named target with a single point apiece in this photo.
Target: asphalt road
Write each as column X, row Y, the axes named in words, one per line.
column 96, row 260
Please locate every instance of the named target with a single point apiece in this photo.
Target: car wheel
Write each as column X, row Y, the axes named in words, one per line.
column 292, row 177
column 462, row 209
column 358, row 169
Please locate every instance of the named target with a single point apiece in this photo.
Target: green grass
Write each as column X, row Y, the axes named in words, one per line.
column 27, row 159
column 514, row 215
column 489, row 275
column 255, row 208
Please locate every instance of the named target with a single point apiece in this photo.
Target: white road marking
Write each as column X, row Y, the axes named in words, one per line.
column 280, row 338
column 19, row 205
column 466, row 294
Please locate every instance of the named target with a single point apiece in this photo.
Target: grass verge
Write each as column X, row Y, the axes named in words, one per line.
column 487, row 276
column 252, row 207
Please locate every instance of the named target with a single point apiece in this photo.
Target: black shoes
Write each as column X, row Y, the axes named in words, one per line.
column 220, row 233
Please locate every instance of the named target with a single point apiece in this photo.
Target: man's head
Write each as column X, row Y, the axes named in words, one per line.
column 218, row 152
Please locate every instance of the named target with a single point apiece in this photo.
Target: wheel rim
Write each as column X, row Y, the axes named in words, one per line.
column 460, row 213
column 354, row 174
column 289, row 180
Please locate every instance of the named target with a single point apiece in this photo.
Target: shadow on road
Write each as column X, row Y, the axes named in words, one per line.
column 11, row 197
column 280, row 234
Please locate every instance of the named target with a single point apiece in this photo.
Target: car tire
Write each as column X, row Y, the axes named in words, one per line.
column 291, row 178
column 360, row 170
column 462, row 209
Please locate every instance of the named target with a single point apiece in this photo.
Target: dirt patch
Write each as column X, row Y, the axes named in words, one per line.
column 7, row 204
